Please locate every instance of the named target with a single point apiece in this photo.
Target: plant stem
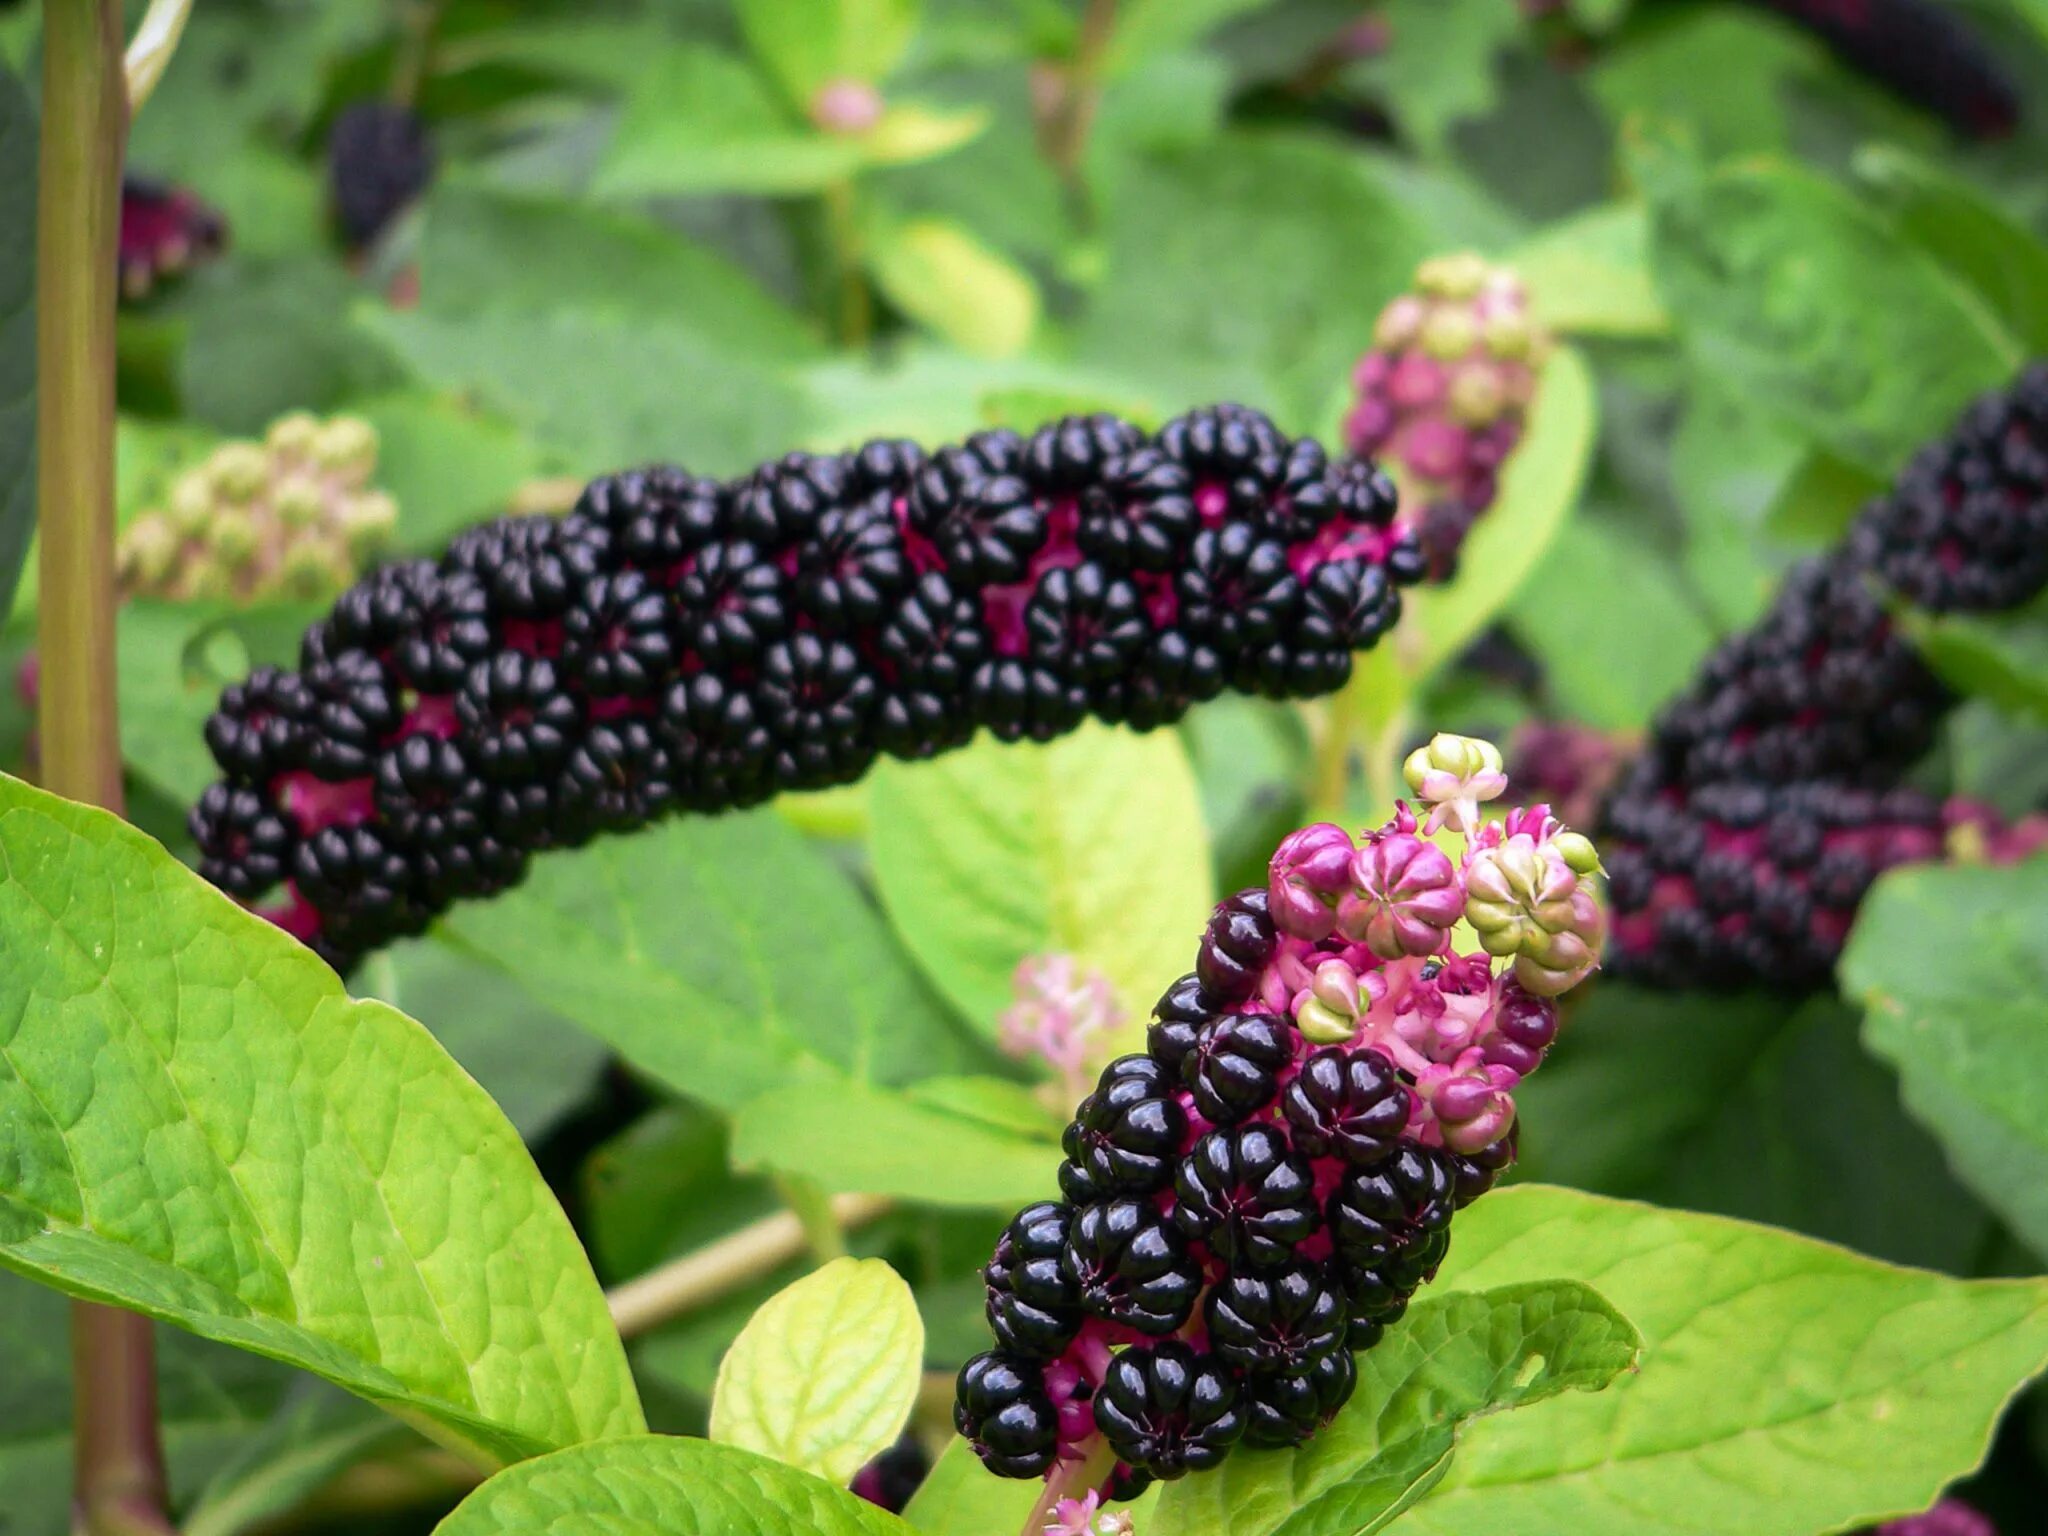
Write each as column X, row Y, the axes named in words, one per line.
column 698, row 1279
column 416, row 22
column 119, row 1487
column 1070, row 1479
column 812, row 1208
column 1330, row 791
column 855, row 312
column 1067, row 97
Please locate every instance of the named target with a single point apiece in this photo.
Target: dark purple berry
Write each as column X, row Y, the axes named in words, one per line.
column 1128, row 1265
column 1348, row 1104
column 1277, row 1324
column 1168, row 1410
column 1001, row 1407
column 1245, row 1193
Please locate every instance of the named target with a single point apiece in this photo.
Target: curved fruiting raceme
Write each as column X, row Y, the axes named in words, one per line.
column 1259, row 1194
column 165, row 231
column 1773, row 792
column 1444, row 393
column 294, row 516
column 677, row 644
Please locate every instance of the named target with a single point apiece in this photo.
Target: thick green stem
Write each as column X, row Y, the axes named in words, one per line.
column 814, row 1212
column 119, row 1484
column 855, row 316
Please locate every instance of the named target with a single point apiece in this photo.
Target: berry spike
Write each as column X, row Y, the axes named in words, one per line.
column 1774, row 791
column 674, row 644
column 1258, row 1196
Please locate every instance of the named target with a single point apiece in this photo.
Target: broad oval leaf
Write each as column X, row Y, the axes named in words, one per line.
column 1787, row 1386
column 720, row 955
column 652, row 1485
column 1454, row 1357
column 825, row 1372
column 1795, row 295
column 1952, row 964
column 937, row 272
column 1093, row 845
column 196, row 1122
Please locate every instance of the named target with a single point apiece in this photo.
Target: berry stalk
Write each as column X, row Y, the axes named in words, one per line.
column 1255, row 1198
column 676, row 644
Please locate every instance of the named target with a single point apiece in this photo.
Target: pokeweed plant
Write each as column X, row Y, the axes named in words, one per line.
column 1211, row 1236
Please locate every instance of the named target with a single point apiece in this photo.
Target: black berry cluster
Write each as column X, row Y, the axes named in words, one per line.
column 1925, row 51
column 1243, row 1207
column 1772, row 793
column 165, row 231
column 680, row 644
column 379, row 160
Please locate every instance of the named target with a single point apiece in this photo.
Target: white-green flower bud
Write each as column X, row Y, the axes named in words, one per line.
column 292, row 435
column 1449, row 334
column 300, row 502
column 347, row 445
column 191, row 503
column 239, row 471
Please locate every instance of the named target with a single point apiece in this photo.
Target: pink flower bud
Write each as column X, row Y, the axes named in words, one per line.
column 1406, row 897
column 1308, row 872
column 1472, row 1101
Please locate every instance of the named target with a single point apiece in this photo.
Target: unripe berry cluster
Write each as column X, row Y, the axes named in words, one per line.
column 680, row 644
column 1772, row 793
column 291, row 516
column 1444, row 394
column 165, row 230
column 1254, row 1199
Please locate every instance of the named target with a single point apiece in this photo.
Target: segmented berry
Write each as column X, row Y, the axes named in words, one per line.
column 1001, row 1407
column 1245, row 1193
column 1233, row 1068
column 1347, row 1104
column 1168, row 1410
column 1125, row 1135
column 1277, row 1324
column 1034, row 1307
column 1128, row 1265
column 1283, row 1411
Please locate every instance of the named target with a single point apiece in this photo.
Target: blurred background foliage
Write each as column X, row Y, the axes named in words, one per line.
column 714, row 230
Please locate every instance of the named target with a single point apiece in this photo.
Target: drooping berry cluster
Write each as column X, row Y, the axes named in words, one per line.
column 1927, row 52
column 165, row 230
column 292, row 516
column 1254, row 1199
column 379, row 160
column 1772, row 793
column 1444, row 393
column 679, row 644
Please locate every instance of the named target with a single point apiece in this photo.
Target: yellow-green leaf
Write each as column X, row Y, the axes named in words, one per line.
column 938, row 273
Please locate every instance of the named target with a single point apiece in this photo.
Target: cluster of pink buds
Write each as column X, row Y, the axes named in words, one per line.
column 1062, row 1013
column 1444, row 393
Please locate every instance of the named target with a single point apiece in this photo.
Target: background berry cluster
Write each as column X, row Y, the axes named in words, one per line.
column 677, row 643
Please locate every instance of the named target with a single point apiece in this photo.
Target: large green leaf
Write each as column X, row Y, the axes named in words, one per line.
column 2002, row 658
column 17, row 330
column 655, row 1486
column 1794, row 294
column 1092, row 846
column 1952, row 964
column 1724, row 72
column 1452, row 1358
column 860, row 1140
column 1590, row 274
column 807, row 44
column 1750, row 1105
column 447, row 462
column 722, row 956
column 1437, row 69
column 201, row 1125
column 961, row 1497
column 824, row 1374
column 1787, row 1386
column 1250, row 268
column 939, row 274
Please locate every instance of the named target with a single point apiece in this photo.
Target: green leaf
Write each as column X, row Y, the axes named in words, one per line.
column 859, row 1140
column 2001, row 260
column 1610, row 664
column 536, row 1065
column 1726, row 74
column 1452, row 1358
column 807, row 44
column 1787, row 1386
column 1589, row 274
column 655, row 1486
column 315, row 1435
column 173, row 661
column 1730, row 464
column 1091, row 846
column 1250, row 268
column 697, row 120
column 202, row 1126
column 961, row 1497
column 601, row 391
column 447, row 463
column 17, row 330
column 908, row 132
column 598, row 261
column 823, row 1376
column 1146, row 29
column 1438, row 68
column 1795, row 295
column 1952, row 964
column 937, row 273
column 721, row 956
column 2003, row 659
column 1539, row 488
column 1754, row 1106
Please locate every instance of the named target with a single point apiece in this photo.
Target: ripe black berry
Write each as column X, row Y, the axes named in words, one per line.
column 1283, row 1411
column 245, row 845
column 1239, row 941
column 1393, row 1217
column 1277, row 1324
column 1245, row 1193
column 1234, row 1065
column 1168, row 1410
column 1033, row 1305
column 1001, row 1407
column 1348, row 1104
column 1128, row 1265
column 1125, row 1134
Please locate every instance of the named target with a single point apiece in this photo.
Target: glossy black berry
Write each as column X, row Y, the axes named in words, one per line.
column 1347, row 1104
column 356, row 708
column 1276, row 1324
column 1283, row 1411
column 1168, row 1410
column 1129, row 1265
column 517, row 719
column 245, row 843
column 1176, row 1019
column 379, row 160
column 731, row 603
column 1033, row 1305
column 1125, row 1135
column 814, row 698
column 783, row 503
column 616, row 638
column 1069, row 455
column 1246, row 1194
column 263, row 726
column 853, row 568
column 1140, row 514
column 975, row 508
column 1233, row 1068
column 1001, row 1407
column 1085, row 625
column 1236, row 946
column 1394, row 1217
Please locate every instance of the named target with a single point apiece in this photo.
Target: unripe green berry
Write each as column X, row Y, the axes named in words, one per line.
column 1476, row 395
column 1456, row 276
column 292, row 436
column 239, row 471
column 231, row 540
column 348, row 446
column 191, row 503
column 1449, row 334
column 367, row 522
column 300, row 502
